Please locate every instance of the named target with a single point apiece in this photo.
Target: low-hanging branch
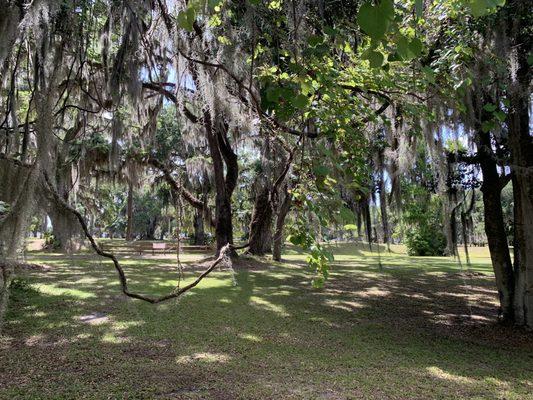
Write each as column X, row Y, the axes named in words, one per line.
column 176, row 187
column 224, row 255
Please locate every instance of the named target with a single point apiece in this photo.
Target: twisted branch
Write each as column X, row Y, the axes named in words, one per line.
column 223, row 256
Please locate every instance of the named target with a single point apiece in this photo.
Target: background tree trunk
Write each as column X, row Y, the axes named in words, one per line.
column 199, row 232
column 261, row 224
column 129, row 212
column 279, row 238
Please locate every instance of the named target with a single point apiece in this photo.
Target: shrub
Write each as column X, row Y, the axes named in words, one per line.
column 425, row 241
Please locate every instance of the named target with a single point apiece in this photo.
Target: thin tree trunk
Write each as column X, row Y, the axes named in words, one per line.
column 129, row 212
column 279, row 237
column 383, row 208
column 359, row 223
column 368, row 221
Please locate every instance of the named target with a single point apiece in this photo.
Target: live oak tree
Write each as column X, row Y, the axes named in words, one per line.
column 338, row 115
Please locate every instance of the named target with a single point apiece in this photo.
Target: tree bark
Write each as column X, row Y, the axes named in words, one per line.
column 279, row 237
column 521, row 148
column 129, row 213
column 261, row 224
column 222, row 155
column 199, row 232
column 6, row 277
column 495, row 226
column 383, row 209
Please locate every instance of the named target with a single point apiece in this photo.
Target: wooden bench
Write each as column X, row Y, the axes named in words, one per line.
column 155, row 247
column 141, row 247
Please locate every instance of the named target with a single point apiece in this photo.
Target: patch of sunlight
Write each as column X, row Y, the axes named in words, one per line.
column 94, row 318
column 123, row 325
column 441, row 374
column 374, row 291
column 324, row 321
column 250, row 337
column 225, row 300
column 267, row 305
column 496, row 382
column 53, row 290
column 87, row 280
column 34, row 340
column 279, row 275
column 83, row 336
column 214, row 280
column 344, row 305
column 282, row 293
column 203, row 357
column 39, row 314
column 110, row 337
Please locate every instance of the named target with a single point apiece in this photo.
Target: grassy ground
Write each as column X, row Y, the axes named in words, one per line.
column 416, row 328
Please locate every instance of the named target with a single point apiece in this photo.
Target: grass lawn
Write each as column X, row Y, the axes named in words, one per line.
column 416, row 328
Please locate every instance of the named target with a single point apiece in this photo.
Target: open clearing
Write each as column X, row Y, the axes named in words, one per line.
column 417, row 328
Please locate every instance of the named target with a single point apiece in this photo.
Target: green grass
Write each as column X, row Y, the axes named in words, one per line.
column 413, row 329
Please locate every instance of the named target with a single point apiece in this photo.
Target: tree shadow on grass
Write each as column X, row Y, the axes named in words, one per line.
column 415, row 332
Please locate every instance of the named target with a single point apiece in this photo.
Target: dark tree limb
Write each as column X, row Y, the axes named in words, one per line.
column 222, row 257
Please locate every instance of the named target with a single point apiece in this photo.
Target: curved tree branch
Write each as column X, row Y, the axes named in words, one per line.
column 223, row 256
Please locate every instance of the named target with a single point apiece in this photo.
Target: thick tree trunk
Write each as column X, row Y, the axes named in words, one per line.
column 224, row 227
column 261, row 224
column 279, row 237
column 521, row 146
column 495, row 226
column 498, row 247
column 222, row 155
column 6, row 277
column 199, row 232
column 129, row 213
column 65, row 228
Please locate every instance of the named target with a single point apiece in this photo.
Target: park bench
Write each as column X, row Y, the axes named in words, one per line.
column 143, row 247
column 154, row 247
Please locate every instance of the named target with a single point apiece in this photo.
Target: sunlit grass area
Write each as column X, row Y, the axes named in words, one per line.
column 383, row 327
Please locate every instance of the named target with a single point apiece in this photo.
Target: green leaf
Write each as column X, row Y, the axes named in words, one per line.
column 318, row 282
column 314, row 40
column 346, row 214
column 416, row 46
column 430, row 74
column 186, row 19
column 321, row 170
column 374, row 20
column 299, row 101
column 479, row 8
column 295, row 239
column 376, row 59
column 419, row 8
column 402, row 46
column 273, row 93
column 500, row 115
column 487, row 126
column 350, row 227
column 489, row 107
